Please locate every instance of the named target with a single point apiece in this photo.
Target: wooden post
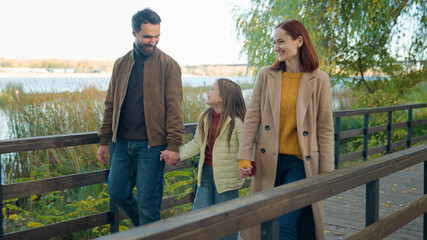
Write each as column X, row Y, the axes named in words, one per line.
column 1, row 198
column 337, row 142
column 408, row 141
column 365, row 137
column 425, row 192
column 270, row 230
column 372, row 188
column 389, row 125
column 372, row 202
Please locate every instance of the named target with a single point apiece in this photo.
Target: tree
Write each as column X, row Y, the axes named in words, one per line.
column 354, row 39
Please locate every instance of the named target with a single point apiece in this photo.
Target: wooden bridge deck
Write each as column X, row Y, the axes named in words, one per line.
column 345, row 212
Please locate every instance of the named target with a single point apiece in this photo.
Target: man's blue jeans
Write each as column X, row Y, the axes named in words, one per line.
column 135, row 163
column 289, row 169
column 207, row 194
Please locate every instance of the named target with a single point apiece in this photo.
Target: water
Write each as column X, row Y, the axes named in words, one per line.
column 62, row 84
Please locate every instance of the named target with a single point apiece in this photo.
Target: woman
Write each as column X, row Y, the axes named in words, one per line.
column 290, row 121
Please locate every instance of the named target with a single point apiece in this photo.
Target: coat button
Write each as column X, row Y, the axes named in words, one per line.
column 307, row 158
column 267, row 127
column 305, row 133
column 262, row 150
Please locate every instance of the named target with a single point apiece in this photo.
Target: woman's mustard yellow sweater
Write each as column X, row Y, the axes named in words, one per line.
column 288, row 135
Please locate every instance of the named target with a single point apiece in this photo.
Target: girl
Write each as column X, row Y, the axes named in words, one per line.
column 217, row 140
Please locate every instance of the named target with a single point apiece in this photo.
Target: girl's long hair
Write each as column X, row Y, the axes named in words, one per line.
column 233, row 105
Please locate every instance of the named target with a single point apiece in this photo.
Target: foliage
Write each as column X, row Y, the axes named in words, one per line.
column 354, row 39
column 194, row 102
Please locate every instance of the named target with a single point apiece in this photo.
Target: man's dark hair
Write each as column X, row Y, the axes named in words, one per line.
column 144, row 16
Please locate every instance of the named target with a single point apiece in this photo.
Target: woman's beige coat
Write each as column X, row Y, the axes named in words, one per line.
column 314, row 125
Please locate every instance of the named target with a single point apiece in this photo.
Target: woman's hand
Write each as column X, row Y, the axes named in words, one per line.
column 245, row 172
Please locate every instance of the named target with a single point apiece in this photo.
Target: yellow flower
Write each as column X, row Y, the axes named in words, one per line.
column 13, row 217
column 35, row 224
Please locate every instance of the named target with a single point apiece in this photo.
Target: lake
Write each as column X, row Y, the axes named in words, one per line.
column 70, row 83
column 61, row 84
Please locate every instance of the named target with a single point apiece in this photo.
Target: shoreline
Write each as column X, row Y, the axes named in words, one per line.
column 68, row 75
column 53, row 75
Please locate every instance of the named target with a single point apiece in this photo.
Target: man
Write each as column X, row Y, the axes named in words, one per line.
column 142, row 117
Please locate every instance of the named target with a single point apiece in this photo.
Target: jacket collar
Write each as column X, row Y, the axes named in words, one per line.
column 150, row 58
column 306, row 89
column 227, row 120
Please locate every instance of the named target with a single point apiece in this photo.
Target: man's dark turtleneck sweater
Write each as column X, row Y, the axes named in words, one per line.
column 132, row 119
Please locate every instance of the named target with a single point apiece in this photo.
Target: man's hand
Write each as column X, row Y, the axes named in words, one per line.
column 103, row 154
column 170, row 157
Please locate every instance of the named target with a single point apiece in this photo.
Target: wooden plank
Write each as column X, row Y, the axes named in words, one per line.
column 174, row 201
column 391, row 223
column 59, row 229
column 419, row 139
column 344, row 213
column 83, row 223
column 179, row 165
column 40, row 143
column 357, row 132
column 354, row 112
column 351, row 133
column 189, row 128
column 77, row 139
column 57, row 141
column 177, row 200
column 350, row 156
column 24, row 189
column 226, row 218
column 419, row 122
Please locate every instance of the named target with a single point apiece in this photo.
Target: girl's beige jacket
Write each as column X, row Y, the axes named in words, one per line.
column 224, row 160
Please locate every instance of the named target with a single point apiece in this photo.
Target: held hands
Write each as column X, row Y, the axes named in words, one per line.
column 246, row 168
column 103, row 154
column 245, row 172
column 170, row 157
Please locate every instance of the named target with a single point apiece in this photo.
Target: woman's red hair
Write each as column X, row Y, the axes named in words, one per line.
column 308, row 55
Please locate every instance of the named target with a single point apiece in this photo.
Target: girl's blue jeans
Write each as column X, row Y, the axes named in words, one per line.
column 207, row 195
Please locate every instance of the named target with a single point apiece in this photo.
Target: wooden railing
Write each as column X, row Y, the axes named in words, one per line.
column 112, row 217
column 265, row 207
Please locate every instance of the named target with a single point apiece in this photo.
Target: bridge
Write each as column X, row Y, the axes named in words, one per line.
column 357, row 206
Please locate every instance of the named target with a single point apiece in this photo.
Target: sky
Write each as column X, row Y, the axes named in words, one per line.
column 193, row 32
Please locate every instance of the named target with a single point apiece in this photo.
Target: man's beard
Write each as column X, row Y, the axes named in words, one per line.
column 143, row 50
